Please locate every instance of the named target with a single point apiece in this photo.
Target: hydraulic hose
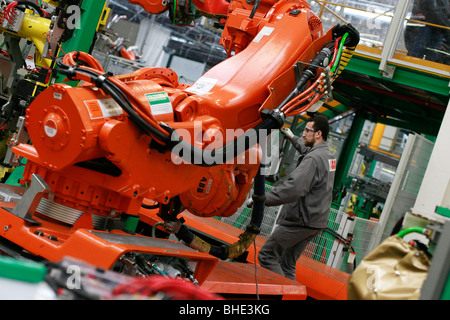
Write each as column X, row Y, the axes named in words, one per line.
column 347, row 53
column 403, row 233
column 340, row 49
column 208, row 158
column 308, row 74
column 255, row 7
column 172, row 141
column 259, row 190
column 245, row 239
column 299, row 100
column 111, row 88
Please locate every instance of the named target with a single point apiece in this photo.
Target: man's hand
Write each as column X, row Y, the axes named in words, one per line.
column 287, row 133
column 249, row 203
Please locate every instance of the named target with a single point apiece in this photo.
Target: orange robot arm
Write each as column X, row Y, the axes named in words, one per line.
column 106, row 146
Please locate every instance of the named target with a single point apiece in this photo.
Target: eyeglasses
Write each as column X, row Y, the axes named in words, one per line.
column 307, row 130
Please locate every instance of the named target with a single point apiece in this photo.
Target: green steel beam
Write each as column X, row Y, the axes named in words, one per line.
column 83, row 37
column 348, row 151
column 421, row 127
column 392, row 111
column 410, row 77
column 91, row 13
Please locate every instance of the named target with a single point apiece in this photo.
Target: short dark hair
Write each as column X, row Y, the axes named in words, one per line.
column 320, row 122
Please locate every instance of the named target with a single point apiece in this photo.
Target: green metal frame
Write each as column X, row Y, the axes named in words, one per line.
column 91, row 13
column 410, row 77
column 82, row 39
column 390, row 101
column 348, row 151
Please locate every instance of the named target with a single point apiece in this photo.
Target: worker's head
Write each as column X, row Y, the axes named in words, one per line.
column 316, row 130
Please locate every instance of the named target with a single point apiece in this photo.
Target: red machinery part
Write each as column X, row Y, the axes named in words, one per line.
column 207, row 7
column 173, row 289
column 77, row 125
column 152, row 6
column 212, row 7
column 72, row 126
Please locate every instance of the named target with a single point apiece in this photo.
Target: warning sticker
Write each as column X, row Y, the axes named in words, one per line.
column 203, row 85
column 103, row 108
column 266, row 31
column 50, row 128
column 159, row 103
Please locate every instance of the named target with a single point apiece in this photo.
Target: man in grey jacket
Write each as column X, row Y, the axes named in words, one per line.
column 306, row 196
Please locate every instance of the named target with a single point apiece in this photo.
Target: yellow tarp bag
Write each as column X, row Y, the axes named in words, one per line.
column 395, row 270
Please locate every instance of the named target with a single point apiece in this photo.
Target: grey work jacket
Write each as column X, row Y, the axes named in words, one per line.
column 306, row 193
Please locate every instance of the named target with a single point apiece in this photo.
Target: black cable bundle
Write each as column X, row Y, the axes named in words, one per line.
column 102, row 82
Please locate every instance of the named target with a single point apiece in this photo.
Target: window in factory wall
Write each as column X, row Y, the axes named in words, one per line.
column 371, row 18
column 187, row 70
column 425, row 36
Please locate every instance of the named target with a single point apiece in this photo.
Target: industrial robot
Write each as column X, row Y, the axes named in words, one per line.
column 107, row 153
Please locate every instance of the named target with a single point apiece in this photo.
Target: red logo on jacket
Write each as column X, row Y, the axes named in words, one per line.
column 332, row 163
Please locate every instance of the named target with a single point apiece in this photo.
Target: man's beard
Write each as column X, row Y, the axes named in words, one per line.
column 309, row 143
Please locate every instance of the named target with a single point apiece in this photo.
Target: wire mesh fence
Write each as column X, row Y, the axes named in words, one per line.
column 243, row 215
column 323, row 247
column 116, row 65
column 364, row 234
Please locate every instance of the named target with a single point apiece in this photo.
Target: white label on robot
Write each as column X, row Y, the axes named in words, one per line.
column 50, row 128
column 208, row 186
column 159, row 103
column 29, row 61
column 202, row 86
column 57, row 96
column 266, row 31
column 103, row 108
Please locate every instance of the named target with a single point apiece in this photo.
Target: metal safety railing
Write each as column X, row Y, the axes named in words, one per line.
column 383, row 29
column 116, row 65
